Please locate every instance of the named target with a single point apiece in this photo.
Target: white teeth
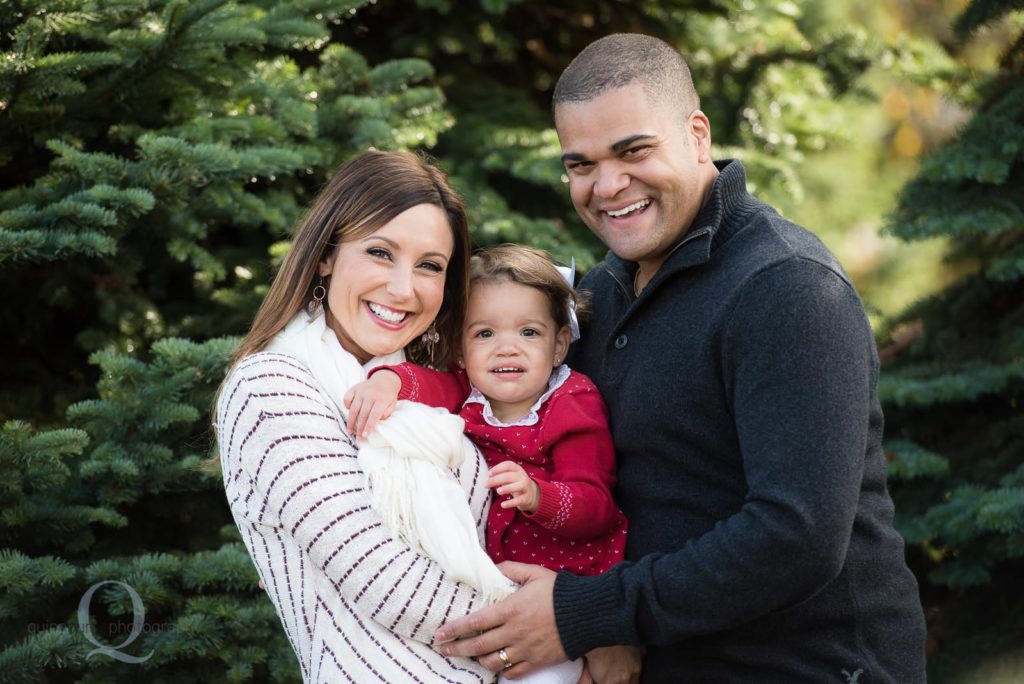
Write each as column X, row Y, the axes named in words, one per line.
column 385, row 313
column 507, row 370
column 632, row 207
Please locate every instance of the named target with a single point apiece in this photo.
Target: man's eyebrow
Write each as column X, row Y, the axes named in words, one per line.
column 626, row 142
column 616, row 146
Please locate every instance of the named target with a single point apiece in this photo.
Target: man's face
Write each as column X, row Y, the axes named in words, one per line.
column 638, row 171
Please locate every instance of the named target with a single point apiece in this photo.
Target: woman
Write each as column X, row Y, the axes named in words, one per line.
column 377, row 273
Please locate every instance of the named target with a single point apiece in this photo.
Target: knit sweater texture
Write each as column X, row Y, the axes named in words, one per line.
column 568, row 452
column 357, row 604
column 741, row 386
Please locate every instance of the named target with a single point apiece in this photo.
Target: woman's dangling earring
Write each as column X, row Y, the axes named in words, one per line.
column 430, row 338
column 319, row 292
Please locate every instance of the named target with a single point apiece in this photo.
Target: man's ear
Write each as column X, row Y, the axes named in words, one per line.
column 700, row 128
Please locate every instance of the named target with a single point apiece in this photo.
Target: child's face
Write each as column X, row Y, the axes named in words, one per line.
column 510, row 344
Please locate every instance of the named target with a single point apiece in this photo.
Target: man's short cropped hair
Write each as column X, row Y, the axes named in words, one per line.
column 621, row 59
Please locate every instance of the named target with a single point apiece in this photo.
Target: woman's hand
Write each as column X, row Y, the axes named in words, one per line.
column 509, row 479
column 371, row 401
column 615, row 664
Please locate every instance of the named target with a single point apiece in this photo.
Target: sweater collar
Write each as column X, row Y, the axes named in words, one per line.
column 717, row 221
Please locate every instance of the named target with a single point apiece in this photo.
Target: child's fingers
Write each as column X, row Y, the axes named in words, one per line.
column 505, row 467
column 514, row 488
column 500, row 480
column 374, row 416
column 359, row 420
column 346, row 399
column 353, row 415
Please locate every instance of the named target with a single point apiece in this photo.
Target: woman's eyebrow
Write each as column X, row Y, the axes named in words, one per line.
column 395, row 245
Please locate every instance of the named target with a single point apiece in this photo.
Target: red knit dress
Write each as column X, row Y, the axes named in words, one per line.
column 568, row 452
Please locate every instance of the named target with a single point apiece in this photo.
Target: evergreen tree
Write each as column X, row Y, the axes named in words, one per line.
column 953, row 396
column 154, row 155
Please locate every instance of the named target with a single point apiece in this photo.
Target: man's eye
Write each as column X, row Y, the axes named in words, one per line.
column 634, row 151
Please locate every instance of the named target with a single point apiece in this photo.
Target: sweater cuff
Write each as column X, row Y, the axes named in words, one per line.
column 585, row 612
column 410, row 384
column 553, row 508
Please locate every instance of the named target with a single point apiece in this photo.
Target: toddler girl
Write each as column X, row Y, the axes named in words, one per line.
column 542, row 428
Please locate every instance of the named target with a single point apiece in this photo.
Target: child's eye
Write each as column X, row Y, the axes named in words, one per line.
column 484, row 334
column 530, row 332
column 379, row 252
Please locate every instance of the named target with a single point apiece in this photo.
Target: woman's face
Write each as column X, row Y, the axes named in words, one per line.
column 387, row 287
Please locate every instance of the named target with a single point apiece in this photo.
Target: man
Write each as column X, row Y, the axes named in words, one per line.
column 740, row 371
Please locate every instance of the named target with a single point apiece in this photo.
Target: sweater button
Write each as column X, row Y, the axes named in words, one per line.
column 621, row 341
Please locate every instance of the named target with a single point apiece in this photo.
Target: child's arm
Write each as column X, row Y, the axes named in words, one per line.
column 371, row 401
column 577, row 501
column 374, row 399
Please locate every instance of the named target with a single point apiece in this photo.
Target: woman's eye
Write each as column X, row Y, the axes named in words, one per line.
column 432, row 266
column 379, row 252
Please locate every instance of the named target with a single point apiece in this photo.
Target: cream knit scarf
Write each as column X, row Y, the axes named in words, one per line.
column 409, row 460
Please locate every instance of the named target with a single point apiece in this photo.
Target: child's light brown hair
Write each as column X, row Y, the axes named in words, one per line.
column 530, row 267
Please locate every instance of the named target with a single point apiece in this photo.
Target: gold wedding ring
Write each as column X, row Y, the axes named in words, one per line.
column 503, row 654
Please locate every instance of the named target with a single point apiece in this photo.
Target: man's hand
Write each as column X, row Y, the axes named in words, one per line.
column 615, row 664
column 523, row 625
column 509, row 479
column 371, row 401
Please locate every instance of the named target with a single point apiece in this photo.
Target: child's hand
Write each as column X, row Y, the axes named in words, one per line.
column 371, row 401
column 508, row 478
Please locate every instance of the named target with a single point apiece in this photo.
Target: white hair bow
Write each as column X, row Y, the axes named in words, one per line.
column 569, row 273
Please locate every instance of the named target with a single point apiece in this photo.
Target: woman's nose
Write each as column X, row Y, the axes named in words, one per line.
column 399, row 283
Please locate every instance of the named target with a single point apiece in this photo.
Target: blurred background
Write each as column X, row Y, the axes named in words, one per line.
column 155, row 154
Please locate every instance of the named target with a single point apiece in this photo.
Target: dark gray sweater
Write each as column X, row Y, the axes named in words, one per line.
column 741, row 387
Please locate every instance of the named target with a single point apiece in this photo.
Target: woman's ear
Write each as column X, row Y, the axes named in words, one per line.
column 561, row 345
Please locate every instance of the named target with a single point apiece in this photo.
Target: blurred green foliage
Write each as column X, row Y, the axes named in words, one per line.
column 954, row 386
column 154, row 155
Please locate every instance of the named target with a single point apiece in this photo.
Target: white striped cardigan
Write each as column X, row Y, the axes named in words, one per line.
column 357, row 604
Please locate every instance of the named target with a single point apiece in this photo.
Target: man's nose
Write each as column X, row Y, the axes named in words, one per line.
column 611, row 180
